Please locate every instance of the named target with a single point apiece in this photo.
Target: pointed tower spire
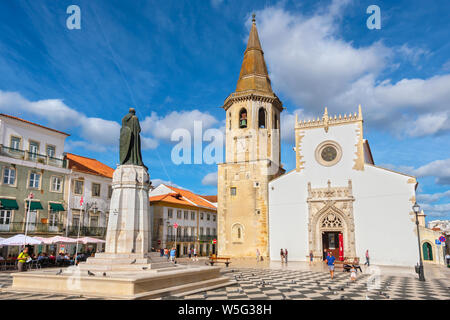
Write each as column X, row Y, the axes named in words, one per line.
column 254, row 75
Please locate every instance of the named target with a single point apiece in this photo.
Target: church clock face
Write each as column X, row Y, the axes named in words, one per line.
column 328, row 153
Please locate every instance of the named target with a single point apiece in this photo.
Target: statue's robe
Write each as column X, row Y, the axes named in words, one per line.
column 130, row 141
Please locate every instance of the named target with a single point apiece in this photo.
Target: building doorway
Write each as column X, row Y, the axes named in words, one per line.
column 330, row 242
column 427, row 251
column 178, row 251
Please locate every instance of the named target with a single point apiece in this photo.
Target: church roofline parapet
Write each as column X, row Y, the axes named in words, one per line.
column 252, row 95
column 327, row 120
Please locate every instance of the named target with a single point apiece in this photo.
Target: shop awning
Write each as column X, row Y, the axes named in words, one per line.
column 35, row 205
column 56, row 206
column 9, row 204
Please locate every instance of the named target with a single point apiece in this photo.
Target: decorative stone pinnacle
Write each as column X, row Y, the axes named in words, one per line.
column 254, row 18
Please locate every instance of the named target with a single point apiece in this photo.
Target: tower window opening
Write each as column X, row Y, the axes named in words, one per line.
column 243, row 118
column 262, row 118
column 275, row 122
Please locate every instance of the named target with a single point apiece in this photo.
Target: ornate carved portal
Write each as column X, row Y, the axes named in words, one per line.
column 331, row 210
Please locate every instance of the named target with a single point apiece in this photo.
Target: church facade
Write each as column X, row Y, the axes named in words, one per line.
column 337, row 199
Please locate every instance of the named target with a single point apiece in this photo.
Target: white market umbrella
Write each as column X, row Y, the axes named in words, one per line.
column 87, row 240
column 60, row 239
column 20, row 240
column 44, row 240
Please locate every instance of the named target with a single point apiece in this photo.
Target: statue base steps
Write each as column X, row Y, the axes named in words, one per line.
column 134, row 284
column 124, row 261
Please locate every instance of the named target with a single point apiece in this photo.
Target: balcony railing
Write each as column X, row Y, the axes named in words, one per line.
column 33, row 228
column 31, row 156
column 87, row 231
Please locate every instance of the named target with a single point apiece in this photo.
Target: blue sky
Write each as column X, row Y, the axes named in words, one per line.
column 176, row 62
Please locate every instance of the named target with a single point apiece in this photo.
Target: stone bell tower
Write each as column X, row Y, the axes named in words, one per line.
column 252, row 157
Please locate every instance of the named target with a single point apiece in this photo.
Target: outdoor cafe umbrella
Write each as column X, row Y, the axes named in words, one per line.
column 87, row 240
column 44, row 240
column 60, row 239
column 19, row 240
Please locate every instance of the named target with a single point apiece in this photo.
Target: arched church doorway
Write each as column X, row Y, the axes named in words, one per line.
column 427, row 251
column 330, row 243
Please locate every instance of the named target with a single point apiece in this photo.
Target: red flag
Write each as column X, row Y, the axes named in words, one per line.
column 81, row 201
column 31, row 195
column 175, row 225
column 341, row 247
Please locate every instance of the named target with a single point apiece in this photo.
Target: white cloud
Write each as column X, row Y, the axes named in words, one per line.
column 314, row 67
column 161, row 127
column 97, row 134
column 210, row 179
column 433, row 197
column 436, row 210
column 438, row 168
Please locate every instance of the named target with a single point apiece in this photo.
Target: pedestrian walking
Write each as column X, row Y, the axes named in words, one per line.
column 367, row 258
column 190, row 253
column 282, row 255
column 172, row 254
column 22, row 259
column 258, row 254
column 285, row 255
column 330, row 262
column 161, row 252
column 195, row 254
column 311, row 257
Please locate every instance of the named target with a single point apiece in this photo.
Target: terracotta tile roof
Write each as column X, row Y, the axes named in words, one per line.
column 210, row 198
column 88, row 165
column 198, row 200
column 32, row 123
column 183, row 197
column 171, row 198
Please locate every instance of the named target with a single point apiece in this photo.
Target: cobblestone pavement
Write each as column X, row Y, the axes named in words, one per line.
column 285, row 284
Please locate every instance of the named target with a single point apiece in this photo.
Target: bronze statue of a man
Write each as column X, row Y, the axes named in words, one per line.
column 130, row 141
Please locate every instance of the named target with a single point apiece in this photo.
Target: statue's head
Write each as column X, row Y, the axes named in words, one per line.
column 132, row 110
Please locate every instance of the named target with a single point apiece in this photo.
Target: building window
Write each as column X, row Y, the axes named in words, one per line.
column 262, row 118
column 110, row 190
column 169, row 230
column 192, row 215
column 208, row 231
column 169, row 213
column 56, row 184
column 186, row 215
column 201, row 231
column 208, row 217
column 5, row 220
column 94, row 222
column 201, row 215
column 96, row 189
column 237, row 234
column 178, row 214
column 51, row 151
column 193, row 231
column 76, row 220
column 214, row 232
column 275, row 122
column 214, row 217
column 33, row 149
column 9, row 176
column 243, row 118
column 15, row 143
column 34, row 180
column 32, row 218
column 78, row 188
column 53, row 221
column 233, row 191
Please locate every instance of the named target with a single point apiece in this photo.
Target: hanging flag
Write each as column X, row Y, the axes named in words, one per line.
column 341, row 247
column 81, row 201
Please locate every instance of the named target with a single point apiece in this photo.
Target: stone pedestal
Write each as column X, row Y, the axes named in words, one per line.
column 129, row 215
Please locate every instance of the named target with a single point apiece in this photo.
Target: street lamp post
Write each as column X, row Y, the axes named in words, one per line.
column 416, row 209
